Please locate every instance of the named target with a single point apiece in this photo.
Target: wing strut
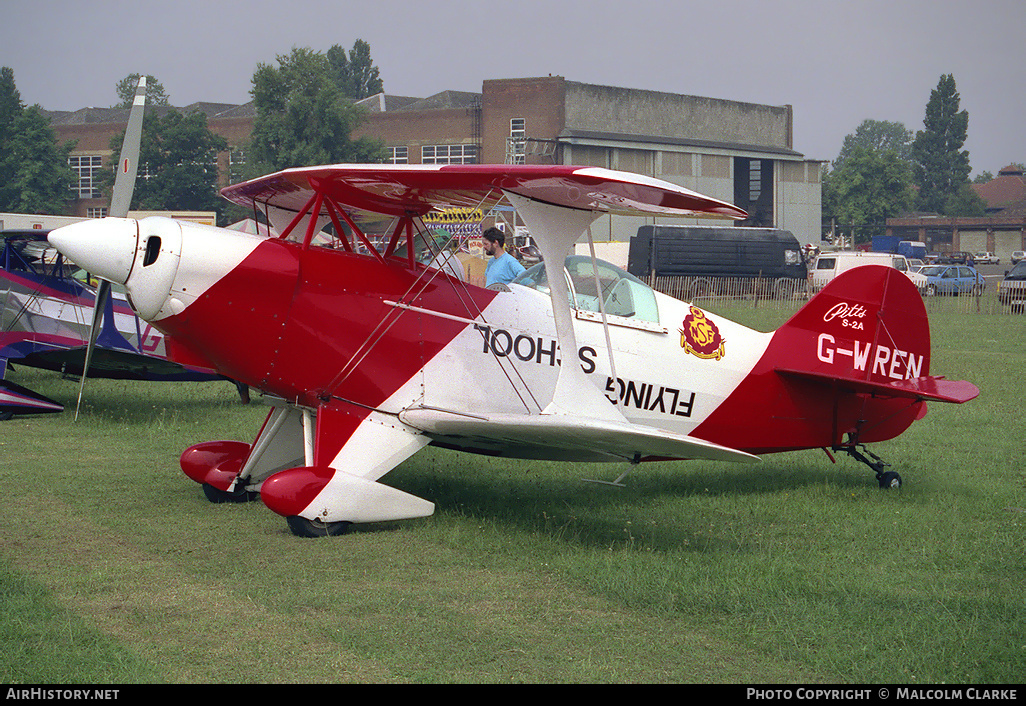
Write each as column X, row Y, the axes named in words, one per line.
column 602, row 311
column 556, row 229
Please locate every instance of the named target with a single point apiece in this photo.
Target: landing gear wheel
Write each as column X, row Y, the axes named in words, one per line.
column 889, row 480
column 218, row 496
column 302, row 527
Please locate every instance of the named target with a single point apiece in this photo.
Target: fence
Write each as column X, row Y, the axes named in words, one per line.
column 756, row 289
column 790, row 294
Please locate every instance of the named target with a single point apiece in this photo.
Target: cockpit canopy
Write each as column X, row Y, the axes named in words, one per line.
column 623, row 295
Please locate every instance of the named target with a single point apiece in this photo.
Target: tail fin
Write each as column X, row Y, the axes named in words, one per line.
column 866, row 331
column 854, row 361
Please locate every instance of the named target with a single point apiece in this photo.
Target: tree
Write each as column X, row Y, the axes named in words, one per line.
column 178, row 164
column 878, row 136
column 869, row 187
column 155, row 94
column 303, row 118
column 10, row 100
column 34, row 172
column 871, row 179
column 357, row 77
column 940, row 165
column 965, row 202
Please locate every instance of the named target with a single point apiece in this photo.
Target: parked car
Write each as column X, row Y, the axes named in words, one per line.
column 830, row 264
column 988, row 258
column 1018, row 256
column 952, row 279
column 931, row 257
column 1012, row 289
column 955, row 258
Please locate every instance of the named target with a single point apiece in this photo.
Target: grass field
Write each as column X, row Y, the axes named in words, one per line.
column 114, row 569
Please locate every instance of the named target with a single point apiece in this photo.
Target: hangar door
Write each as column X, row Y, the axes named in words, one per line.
column 753, row 190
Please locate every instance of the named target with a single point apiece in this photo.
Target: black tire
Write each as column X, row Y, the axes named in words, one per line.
column 890, row 480
column 218, row 496
column 931, row 290
column 302, row 527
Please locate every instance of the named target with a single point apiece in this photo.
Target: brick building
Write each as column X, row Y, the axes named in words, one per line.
column 1002, row 231
column 738, row 152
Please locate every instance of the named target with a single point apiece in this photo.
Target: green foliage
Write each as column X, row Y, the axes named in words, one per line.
column 356, row 76
column 34, row 172
column 303, row 118
column 155, row 94
column 10, row 99
column 878, row 136
column 940, row 165
column 869, row 187
column 965, row 202
column 178, row 168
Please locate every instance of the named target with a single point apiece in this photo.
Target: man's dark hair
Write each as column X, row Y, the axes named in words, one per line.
column 496, row 236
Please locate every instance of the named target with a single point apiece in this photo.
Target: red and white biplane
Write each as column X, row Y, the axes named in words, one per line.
column 370, row 355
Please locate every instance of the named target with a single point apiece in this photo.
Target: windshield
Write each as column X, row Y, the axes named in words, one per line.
column 932, row 271
column 622, row 294
column 1018, row 272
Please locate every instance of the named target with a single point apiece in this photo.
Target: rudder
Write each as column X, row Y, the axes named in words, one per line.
column 852, row 365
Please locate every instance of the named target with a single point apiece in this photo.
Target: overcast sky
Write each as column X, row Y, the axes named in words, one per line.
column 838, row 63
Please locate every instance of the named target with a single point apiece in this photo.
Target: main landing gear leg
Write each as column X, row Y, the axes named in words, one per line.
column 887, row 479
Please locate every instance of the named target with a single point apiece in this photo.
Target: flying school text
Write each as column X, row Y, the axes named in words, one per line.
column 630, row 393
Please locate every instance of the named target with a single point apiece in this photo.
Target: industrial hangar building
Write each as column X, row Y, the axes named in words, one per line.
column 738, row 152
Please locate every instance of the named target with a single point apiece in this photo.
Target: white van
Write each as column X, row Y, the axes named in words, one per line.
column 830, row 264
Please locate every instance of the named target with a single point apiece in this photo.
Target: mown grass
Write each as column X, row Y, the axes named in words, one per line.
column 114, row 569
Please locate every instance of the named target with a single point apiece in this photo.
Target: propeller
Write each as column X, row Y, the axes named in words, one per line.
column 124, row 185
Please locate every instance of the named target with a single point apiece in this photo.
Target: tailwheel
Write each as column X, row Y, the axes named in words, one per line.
column 302, row 527
column 218, row 496
column 887, row 479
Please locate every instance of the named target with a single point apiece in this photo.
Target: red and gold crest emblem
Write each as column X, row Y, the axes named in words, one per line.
column 700, row 336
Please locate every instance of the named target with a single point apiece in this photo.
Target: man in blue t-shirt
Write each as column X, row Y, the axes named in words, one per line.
column 503, row 267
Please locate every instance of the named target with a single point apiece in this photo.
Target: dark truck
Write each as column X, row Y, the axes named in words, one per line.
column 706, row 254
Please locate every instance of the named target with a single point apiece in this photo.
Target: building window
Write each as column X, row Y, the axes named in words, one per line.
column 236, row 164
column 448, row 154
column 96, row 212
column 754, row 180
column 398, row 155
column 86, row 167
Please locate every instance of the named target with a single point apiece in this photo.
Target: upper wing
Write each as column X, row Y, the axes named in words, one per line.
column 418, row 189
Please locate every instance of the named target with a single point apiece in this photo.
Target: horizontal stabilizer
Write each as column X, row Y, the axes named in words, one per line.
column 932, row 388
column 15, row 399
column 562, row 437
